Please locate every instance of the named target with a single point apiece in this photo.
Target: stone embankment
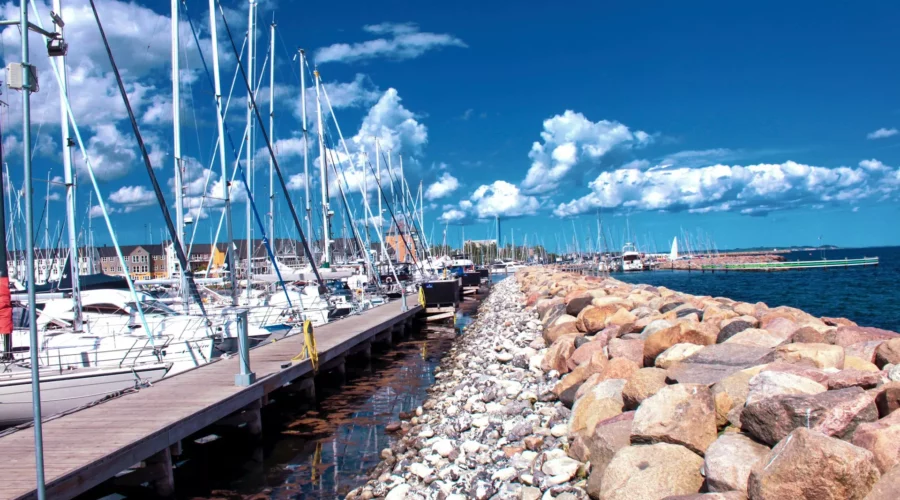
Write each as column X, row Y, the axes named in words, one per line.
column 571, row 387
column 699, row 261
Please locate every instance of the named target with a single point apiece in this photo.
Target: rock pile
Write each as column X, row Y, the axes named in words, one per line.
column 571, row 387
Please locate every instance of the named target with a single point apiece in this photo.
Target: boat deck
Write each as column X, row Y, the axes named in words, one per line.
column 87, row 447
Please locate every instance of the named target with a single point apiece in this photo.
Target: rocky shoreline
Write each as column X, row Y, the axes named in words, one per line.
column 572, row 387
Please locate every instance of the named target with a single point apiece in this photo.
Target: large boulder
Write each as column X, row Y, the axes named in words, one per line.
column 715, row 362
column 882, row 438
column 847, row 335
column 621, row 318
column 643, row 384
column 651, row 472
column 820, row 355
column 558, row 354
column 862, row 350
column 655, row 326
column 609, row 436
column 730, row 394
column 680, row 414
column 680, row 333
column 544, row 306
column 592, row 318
column 887, row 398
column 888, row 352
column 677, row 352
column 577, row 300
column 802, row 370
column 601, row 402
column 768, row 384
column 584, row 353
column 887, row 488
column 849, row 377
column 728, row 461
column 563, row 325
column 567, row 388
column 757, row 338
column 632, row 349
column 809, row 465
column 835, row 413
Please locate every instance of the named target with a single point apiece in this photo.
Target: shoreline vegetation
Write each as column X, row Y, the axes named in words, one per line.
column 571, row 387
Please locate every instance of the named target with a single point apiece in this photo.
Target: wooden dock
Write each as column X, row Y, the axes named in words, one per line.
column 88, row 447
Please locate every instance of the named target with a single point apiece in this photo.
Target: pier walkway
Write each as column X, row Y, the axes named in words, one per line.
column 87, row 447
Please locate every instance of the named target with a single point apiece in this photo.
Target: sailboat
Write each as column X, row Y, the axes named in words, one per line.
column 673, row 253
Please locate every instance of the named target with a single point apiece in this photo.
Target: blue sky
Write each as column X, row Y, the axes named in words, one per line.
column 766, row 126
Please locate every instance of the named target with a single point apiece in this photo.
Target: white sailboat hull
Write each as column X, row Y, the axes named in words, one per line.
column 66, row 391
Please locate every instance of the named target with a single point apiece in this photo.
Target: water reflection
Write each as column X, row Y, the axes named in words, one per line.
column 321, row 450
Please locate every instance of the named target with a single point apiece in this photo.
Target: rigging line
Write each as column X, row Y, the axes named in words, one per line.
column 405, row 215
column 90, row 170
column 272, row 154
column 347, row 211
column 179, row 250
column 394, row 218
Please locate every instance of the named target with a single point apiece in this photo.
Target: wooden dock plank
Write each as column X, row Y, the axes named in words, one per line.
column 87, row 447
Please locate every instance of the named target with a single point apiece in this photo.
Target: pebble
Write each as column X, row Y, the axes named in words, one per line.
column 489, row 428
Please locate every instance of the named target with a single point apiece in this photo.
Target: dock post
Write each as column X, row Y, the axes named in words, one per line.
column 159, row 467
column 246, row 377
column 254, row 419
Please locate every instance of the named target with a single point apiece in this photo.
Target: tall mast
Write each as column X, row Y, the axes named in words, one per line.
column 226, row 196
column 27, row 86
column 380, row 209
column 69, row 176
column 176, row 149
column 323, row 176
column 365, row 194
column 251, row 133
column 391, row 177
column 305, row 144
column 272, row 132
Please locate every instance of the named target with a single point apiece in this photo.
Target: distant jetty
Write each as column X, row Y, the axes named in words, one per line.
column 792, row 266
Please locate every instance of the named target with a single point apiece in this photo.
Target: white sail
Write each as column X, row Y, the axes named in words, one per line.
column 673, row 254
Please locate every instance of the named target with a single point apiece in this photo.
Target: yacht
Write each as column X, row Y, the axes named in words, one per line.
column 631, row 258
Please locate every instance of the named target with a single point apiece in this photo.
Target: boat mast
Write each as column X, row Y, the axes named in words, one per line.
column 305, row 145
column 272, row 131
column 27, row 86
column 220, row 124
column 69, row 176
column 176, row 150
column 380, row 209
column 323, row 176
column 251, row 133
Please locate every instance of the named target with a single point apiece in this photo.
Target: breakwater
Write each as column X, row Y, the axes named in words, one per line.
column 572, row 387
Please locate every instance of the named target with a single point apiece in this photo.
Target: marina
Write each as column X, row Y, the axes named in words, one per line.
column 135, row 431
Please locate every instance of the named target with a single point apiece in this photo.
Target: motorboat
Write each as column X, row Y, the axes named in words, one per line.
column 631, row 258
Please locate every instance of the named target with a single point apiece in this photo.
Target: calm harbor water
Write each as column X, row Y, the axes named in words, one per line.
column 867, row 296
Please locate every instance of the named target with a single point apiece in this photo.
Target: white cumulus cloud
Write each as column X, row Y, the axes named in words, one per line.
column 753, row 189
column 882, row 133
column 443, row 187
column 569, row 138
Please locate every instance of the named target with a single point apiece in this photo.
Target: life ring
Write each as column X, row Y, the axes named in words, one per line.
column 389, row 280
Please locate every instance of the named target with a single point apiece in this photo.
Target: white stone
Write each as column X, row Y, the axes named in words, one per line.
column 504, row 357
column 513, row 389
column 526, row 479
column 559, row 430
column 471, row 447
column 398, row 492
column 480, row 422
column 421, row 470
column 426, row 433
column 452, row 410
column 504, row 474
column 894, row 373
column 561, row 467
column 531, row 493
column 443, row 447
